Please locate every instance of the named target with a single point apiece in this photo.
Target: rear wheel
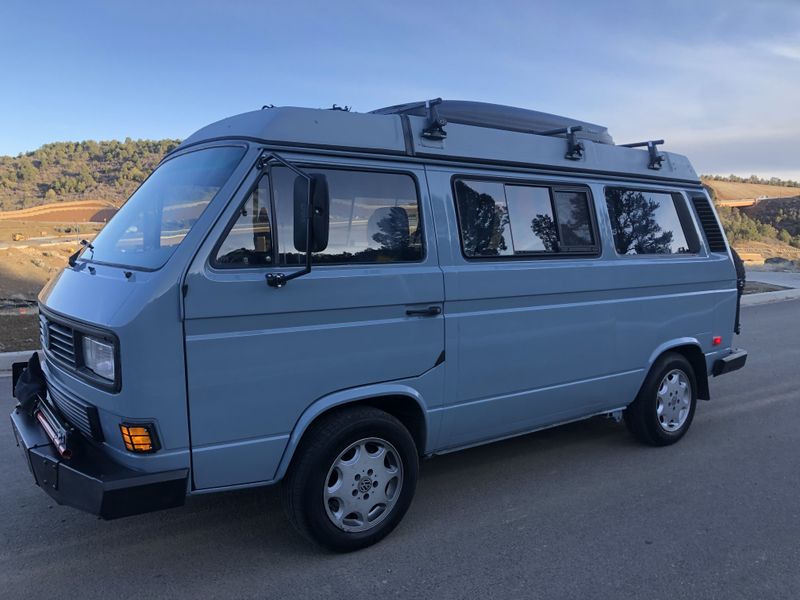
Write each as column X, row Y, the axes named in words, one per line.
column 664, row 408
column 352, row 479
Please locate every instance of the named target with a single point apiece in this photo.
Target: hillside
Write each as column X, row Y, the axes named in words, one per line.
column 89, row 170
column 781, row 213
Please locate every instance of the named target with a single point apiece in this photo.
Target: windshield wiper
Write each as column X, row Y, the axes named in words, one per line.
column 85, row 245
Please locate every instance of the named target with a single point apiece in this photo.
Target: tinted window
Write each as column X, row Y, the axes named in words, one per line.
column 249, row 241
column 647, row 222
column 530, row 215
column 483, row 217
column 574, row 220
column 150, row 225
column 502, row 220
column 374, row 217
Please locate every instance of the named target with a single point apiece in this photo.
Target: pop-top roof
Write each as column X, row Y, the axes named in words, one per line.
column 498, row 116
column 474, row 132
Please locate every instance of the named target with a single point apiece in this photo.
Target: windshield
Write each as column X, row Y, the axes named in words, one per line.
column 146, row 230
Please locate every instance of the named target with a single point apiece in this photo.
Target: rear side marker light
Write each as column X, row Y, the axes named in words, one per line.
column 139, row 437
column 716, row 340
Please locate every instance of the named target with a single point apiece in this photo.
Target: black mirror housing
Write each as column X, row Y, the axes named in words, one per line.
column 320, row 216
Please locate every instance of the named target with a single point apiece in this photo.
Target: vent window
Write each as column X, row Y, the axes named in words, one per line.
column 714, row 236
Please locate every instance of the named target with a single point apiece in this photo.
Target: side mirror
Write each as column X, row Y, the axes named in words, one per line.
column 319, row 219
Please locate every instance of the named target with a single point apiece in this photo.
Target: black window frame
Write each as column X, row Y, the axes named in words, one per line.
column 274, row 229
column 213, row 262
column 572, row 252
column 685, row 218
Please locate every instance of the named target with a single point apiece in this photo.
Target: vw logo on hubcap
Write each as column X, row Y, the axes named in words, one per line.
column 365, row 485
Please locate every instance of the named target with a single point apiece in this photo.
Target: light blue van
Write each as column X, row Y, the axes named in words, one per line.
column 322, row 298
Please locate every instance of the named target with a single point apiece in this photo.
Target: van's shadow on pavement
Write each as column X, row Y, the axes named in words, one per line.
column 253, row 519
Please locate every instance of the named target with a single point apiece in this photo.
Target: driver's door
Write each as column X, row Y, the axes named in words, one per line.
column 258, row 356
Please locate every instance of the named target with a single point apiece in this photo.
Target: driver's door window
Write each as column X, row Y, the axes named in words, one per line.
column 249, row 241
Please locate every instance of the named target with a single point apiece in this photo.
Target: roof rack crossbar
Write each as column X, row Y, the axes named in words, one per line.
column 434, row 130
column 655, row 158
column 574, row 148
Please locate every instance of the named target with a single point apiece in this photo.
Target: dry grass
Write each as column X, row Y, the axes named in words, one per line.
column 729, row 190
column 24, row 271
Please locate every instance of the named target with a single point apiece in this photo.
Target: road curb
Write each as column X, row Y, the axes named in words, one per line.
column 9, row 358
column 768, row 297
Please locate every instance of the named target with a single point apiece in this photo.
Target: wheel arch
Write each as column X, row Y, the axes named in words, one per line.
column 401, row 401
column 690, row 349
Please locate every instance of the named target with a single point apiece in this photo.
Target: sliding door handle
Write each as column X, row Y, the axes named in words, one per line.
column 430, row 311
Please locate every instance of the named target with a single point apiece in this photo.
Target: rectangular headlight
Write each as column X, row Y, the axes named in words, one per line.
column 98, row 357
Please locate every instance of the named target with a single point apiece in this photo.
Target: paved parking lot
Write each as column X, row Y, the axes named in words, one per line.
column 577, row 512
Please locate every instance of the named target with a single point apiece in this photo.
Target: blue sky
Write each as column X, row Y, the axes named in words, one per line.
column 718, row 79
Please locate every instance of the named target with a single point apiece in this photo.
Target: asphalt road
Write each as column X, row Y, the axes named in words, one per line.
column 577, row 512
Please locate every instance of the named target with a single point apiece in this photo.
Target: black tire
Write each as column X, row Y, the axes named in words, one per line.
column 642, row 417
column 303, row 487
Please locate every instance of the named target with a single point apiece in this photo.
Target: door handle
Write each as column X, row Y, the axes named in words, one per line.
column 430, row 311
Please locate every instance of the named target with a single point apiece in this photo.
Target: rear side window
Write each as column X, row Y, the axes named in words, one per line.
column 499, row 219
column 483, row 214
column 646, row 222
column 374, row 217
column 531, row 214
column 574, row 220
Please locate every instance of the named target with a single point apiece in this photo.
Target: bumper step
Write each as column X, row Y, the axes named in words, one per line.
column 733, row 362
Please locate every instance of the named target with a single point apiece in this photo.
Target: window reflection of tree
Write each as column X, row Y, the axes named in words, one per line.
column 575, row 225
column 545, row 229
column 483, row 222
column 634, row 224
column 394, row 230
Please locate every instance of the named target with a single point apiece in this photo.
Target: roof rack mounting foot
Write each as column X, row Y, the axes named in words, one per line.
column 574, row 148
column 435, row 128
column 655, row 157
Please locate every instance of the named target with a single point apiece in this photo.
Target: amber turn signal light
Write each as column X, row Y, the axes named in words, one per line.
column 139, row 437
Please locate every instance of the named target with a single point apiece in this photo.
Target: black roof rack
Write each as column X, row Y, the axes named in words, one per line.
column 496, row 116
column 656, row 158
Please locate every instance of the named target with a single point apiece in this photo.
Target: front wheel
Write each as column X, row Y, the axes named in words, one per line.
column 352, row 479
column 664, row 408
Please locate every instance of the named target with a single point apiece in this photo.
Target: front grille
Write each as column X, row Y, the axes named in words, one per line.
column 58, row 340
column 82, row 417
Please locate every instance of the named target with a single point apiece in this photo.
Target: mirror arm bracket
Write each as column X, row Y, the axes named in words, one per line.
column 278, row 280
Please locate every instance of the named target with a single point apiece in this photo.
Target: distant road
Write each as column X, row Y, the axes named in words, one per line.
column 50, row 240
column 576, row 512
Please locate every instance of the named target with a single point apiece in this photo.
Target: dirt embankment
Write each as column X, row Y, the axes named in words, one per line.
column 81, row 211
column 731, row 191
column 23, row 273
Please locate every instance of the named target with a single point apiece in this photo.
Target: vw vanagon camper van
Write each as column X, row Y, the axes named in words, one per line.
column 322, row 298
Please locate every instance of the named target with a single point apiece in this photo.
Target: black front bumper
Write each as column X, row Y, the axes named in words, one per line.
column 733, row 362
column 89, row 480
